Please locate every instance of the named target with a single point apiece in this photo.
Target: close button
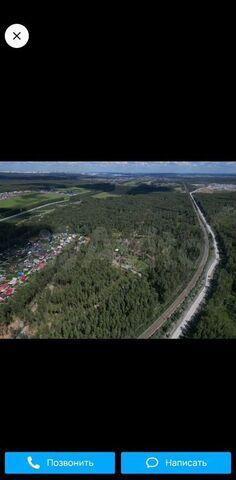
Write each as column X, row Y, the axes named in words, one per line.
column 16, row 35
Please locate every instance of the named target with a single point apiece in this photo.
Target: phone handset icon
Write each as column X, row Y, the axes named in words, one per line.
column 36, row 466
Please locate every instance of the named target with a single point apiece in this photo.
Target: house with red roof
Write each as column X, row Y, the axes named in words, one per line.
column 9, row 292
column 3, row 287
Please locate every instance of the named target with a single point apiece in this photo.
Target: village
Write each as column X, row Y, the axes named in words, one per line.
column 8, row 195
column 18, row 193
column 17, row 267
column 214, row 187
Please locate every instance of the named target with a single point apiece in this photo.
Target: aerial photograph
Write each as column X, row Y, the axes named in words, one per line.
column 118, row 250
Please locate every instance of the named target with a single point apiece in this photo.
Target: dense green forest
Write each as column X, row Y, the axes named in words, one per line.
column 218, row 318
column 86, row 291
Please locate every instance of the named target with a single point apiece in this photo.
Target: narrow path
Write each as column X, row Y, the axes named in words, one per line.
column 180, row 299
column 31, row 210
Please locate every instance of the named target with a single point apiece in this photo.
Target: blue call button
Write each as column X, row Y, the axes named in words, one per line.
column 176, row 463
column 59, row 462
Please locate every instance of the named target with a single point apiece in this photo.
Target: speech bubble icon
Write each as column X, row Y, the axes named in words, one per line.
column 152, row 462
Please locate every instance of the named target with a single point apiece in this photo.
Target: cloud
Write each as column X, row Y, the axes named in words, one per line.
column 113, row 166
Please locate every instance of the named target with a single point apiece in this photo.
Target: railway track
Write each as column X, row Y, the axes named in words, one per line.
column 150, row 331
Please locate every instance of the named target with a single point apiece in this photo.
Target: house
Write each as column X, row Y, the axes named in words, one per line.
column 20, row 274
column 2, row 300
column 3, row 287
column 13, row 282
column 9, row 292
column 24, row 278
column 41, row 266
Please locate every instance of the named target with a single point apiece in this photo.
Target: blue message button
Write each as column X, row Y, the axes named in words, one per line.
column 59, row 463
column 176, row 463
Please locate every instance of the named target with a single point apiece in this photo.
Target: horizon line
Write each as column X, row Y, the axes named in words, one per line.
column 117, row 173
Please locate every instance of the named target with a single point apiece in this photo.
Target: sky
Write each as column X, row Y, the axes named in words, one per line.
column 128, row 167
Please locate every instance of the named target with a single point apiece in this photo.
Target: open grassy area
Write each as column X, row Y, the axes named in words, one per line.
column 138, row 264
column 79, row 190
column 105, row 195
column 131, row 183
column 26, row 202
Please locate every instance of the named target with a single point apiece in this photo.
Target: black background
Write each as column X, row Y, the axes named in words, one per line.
column 115, row 83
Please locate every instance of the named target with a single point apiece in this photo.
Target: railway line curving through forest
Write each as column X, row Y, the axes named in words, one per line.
column 194, row 306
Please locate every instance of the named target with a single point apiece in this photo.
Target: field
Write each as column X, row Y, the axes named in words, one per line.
column 104, row 195
column 27, row 201
column 78, row 190
column 131, row 183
